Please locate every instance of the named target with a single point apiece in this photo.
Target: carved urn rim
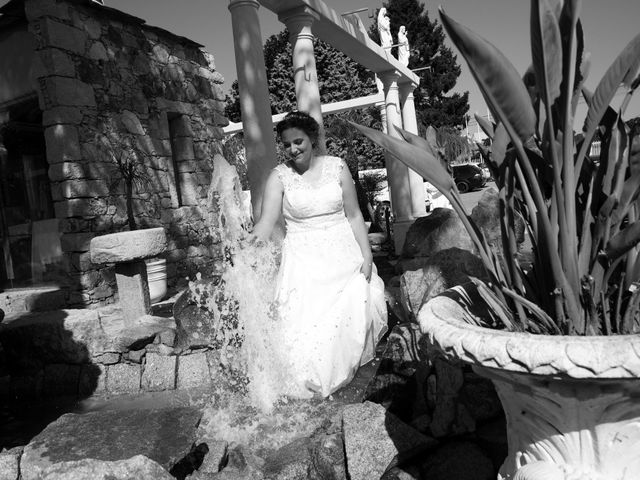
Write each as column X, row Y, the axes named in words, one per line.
column 579, row 357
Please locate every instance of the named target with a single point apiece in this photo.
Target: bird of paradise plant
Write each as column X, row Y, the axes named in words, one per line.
column 582, row 213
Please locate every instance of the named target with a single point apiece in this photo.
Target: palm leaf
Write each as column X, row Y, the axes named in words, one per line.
column 415, row 158
column 498, row 80
column 607, row 88
column 546, row 50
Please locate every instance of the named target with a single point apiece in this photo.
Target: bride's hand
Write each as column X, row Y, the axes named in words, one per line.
column 366, row 269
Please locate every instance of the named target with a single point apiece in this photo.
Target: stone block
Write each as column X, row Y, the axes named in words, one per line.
column 131, row 122
column 84, row 188
column 159, row 373
column 92, row 379
column 63, row 144
column 61, row 116
column 193, row 371
column 137, row 356
column 61, row 379
column 44, row 8
column 133, row 290
column 137, row 466
column 63, row 36
column 78, row 170
column 76, row 242
column 54, row 62
column 374, row 437
column 10, row 463
column 107, row 358
column 98, row 52
column 176, row 107
column 81, row 207
column 161, row 54
column 163, row 435
column 128, row 246
column 62, row 91
column 123, row 378
column 92, row 26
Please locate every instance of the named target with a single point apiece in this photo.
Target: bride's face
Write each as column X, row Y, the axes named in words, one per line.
column 297, row 145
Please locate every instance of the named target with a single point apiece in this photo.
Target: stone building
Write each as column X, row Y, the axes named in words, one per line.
column 83, row 85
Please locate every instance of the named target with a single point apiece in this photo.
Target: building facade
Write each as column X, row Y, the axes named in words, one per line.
column 83, row 87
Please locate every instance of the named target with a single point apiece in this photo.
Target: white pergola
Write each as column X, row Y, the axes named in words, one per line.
column 305, row 19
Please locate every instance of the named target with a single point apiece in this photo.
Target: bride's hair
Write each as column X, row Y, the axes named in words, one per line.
column 302, row 121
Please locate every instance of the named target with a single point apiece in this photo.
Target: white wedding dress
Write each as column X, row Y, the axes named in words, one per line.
column 331, row 317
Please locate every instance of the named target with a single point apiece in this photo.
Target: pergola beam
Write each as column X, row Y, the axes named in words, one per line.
column 336, row 107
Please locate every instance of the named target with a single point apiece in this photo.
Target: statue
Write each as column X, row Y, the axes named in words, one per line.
column 384, row 28
column 403, row 46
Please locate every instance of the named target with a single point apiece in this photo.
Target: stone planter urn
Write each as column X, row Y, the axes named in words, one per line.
column 572, row 404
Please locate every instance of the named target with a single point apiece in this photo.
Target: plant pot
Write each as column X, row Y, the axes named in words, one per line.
column 571, row 403
column 157, row 278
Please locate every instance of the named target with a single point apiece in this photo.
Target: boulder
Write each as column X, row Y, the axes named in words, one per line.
column 375, row 440
column 10, row 463
column 165, row 436
column 486, row 215
column 437, row 231
column 204, row 315
column 441, row 271
column 138, row 466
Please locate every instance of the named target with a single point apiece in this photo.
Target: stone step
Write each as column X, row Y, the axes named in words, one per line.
column 36, row 299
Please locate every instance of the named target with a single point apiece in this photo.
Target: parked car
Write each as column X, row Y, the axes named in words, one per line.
column 468, row 177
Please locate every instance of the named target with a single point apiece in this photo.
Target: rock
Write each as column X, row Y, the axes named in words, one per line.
column 441, row 271
column 10, row 463
column 375, row 440
column 290, row 462
column 440, row 230
column 163, row 435
column 399, row 383
column 216, row 456
column 204, row 314
column 486, row 215
column 241, row 465
column 138, row 467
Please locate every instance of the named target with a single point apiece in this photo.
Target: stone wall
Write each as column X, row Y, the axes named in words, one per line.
column 110, row 85
column 81, row 352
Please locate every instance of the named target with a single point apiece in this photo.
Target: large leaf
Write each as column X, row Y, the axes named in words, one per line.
column 498, row 80
column 546, row 50
column 415, row 158
column 485, row 125
column 623, row 241
column 607, row 88
column 417, row 141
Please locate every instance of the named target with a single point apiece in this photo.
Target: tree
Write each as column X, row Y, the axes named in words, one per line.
column 339, row 78
column 426, row 40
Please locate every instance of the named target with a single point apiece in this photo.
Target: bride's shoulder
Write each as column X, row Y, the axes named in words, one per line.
column 335, row 162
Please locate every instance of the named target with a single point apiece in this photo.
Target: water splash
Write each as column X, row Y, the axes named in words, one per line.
column 248, row 331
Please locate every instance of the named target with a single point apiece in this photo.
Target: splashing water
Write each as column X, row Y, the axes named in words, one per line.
column 248, row 331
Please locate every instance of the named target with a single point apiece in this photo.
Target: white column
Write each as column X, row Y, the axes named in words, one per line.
column 259, row 142
column 299, row 22
column 397, row 172
column 411, row 125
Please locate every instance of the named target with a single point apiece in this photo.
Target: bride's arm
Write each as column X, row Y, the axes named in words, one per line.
column 271, row 207
column 352, row 211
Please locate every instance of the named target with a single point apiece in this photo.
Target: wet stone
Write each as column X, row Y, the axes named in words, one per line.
column 163, row 435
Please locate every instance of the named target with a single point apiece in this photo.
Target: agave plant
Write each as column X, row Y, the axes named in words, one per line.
column 582, row 213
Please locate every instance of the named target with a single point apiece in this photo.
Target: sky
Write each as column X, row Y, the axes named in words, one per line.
column 608, row 25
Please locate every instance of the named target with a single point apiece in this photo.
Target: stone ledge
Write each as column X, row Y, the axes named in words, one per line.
column 128, row 246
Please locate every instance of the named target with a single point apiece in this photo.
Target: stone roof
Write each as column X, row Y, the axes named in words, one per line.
column 13, row 11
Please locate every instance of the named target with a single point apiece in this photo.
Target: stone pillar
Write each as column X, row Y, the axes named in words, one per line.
column 299, row 22
column 397, row 172
column 381, row 105
column 259, row 141
column 128, row 251
column 410, row 123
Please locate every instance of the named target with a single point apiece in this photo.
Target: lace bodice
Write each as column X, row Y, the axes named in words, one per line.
column 307, row 206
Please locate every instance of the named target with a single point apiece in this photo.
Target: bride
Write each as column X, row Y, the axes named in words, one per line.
column 330, row 300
